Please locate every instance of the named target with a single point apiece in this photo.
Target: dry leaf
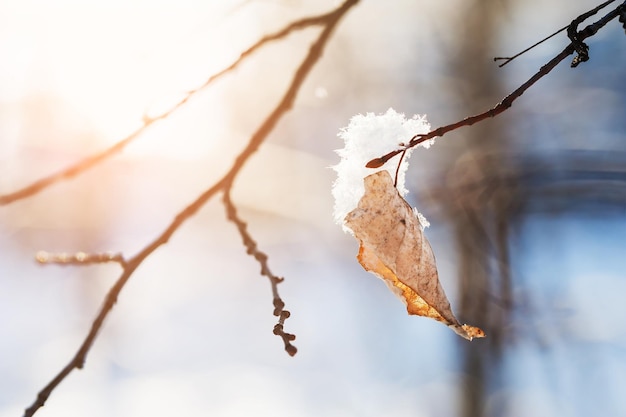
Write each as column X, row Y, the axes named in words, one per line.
column 393, row 247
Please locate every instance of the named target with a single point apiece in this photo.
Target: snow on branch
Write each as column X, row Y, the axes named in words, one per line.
column 365, row 137
column 576, row 45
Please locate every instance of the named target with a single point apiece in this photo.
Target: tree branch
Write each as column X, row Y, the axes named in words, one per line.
column 225, row 184
column 253, row 250
column 96, row 158
column 79, row 258
column 507, row 102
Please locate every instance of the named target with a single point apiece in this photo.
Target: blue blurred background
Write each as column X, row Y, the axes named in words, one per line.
column 527, row 212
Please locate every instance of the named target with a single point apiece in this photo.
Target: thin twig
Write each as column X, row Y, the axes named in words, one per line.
column 511, row 58
column 507, row 102
column 395, row 179
column 94, row 159
column 571, row 33
column 253, row 250
column 79, row 258
column 224, row 184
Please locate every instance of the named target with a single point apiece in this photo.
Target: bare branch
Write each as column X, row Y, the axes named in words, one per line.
column 508, row 59
column 507, row 102
column 572, row 29
column 94, row 159
column 225, row 184
column 253, row 250
column 582, row 50
column 79, row 258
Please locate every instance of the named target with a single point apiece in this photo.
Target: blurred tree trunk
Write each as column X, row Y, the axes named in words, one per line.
column 478, row 204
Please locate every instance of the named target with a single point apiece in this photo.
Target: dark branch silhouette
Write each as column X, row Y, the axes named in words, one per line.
column 574, row 46
column 261, row 257
column 508, row 59
column 329, row 22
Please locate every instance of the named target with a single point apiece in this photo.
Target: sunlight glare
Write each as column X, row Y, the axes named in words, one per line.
column 114, row 64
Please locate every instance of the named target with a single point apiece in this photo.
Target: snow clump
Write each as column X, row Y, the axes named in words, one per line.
column 367, row 137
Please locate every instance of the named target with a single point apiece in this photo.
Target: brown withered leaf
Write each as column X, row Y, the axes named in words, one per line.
column 394, row 248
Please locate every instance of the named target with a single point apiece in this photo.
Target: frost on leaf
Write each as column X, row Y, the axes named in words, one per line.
column 393, row 247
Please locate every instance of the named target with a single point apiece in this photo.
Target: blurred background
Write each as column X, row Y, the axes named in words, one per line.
column 527, row 211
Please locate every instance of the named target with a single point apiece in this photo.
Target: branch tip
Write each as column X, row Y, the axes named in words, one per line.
column 375, row 163
column 291, row 349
